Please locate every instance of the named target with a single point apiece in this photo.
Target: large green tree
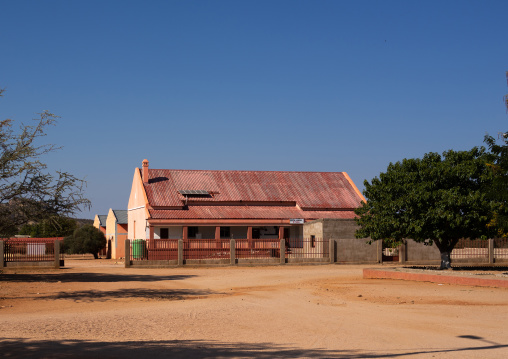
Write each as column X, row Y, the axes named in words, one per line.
column 499, row 166
column 505, row 98
column 436, row 200
column 28, row 192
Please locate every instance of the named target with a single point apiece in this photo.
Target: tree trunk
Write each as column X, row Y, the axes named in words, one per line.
column 445, row 247
column 446, row 262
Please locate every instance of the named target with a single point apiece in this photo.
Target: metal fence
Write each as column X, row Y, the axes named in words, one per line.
column 468, row 249
column 29, row 249
column 501, row 248
column 307, row 248
column 257, row 248
column 167, row 249
column 206, row 249
column 157, row 249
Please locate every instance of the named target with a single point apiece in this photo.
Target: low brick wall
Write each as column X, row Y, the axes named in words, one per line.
column 375, row 273
column 258, row 261
column 46, row 264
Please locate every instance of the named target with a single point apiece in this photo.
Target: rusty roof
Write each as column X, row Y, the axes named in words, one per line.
column 307, row 190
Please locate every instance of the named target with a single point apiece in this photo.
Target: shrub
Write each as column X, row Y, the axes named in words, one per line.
column 86, row 239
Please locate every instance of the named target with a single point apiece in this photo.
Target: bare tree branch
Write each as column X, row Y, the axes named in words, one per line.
column 27, row 191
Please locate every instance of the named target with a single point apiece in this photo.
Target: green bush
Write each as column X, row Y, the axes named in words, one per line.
column 86, row 239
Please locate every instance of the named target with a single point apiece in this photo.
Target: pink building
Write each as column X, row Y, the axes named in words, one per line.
column 183, row 204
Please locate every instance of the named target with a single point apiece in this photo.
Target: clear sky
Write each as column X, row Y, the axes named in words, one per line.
column 252, row 85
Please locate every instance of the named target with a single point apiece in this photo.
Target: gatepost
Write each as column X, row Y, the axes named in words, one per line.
column 379, row 251
column 282, row 251
column 491, row 251
column 331, row 250
column 402, row 252
column 57, row 254
column 180, row 252
column 127, row 253
column 2, row 264
column 232, row 252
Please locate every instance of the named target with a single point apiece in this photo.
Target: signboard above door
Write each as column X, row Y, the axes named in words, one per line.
column 296, row 221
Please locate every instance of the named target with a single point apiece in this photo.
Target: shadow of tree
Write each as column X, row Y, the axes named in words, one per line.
column 23, row 348
column 153, row 294
column 87, row 277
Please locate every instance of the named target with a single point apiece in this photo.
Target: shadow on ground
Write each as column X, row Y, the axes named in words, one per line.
column 86, row 277
column 22, row 348
column 152, row 294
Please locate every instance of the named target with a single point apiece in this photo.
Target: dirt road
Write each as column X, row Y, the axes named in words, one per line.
column 100, row 309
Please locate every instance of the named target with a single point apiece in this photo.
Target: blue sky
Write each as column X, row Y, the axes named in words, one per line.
column 252, row 85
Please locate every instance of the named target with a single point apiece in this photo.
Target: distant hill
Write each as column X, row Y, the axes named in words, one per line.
column 82, row 221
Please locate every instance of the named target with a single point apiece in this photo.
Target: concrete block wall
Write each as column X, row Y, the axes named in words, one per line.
column 330, row 228
column 349, row 250
column 418, row 252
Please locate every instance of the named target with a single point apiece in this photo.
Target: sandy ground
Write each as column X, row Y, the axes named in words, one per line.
column 100, row 309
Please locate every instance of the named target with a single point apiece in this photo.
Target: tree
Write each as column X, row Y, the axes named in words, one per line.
column 499, row 166
column 505, row 98
column 86, row 239
column 436, row 199
column 56, row 226
column 27, row 191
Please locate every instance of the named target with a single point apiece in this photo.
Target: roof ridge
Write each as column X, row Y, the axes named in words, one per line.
column 270, row 171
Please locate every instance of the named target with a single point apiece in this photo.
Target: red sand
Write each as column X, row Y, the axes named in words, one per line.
column 100, row 309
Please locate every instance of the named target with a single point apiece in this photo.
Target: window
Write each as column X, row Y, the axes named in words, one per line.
column 192, row 231
column 225, row 232
column 313, row 241
column 164, row 233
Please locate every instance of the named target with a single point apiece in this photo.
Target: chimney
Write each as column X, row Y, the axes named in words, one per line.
column 145, row 171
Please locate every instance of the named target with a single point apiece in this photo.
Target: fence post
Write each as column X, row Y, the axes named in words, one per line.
column 491, row 251
column 283, row 251
column 402, row 253
column 379, row 251
column 180, row 252
column 331, row 250
column 232, row 252
column 127, row 253
column 2, row 264
column 57, row 253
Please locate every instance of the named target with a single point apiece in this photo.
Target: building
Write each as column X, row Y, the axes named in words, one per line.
column 116, row 232
column 184, row 204
column 99, row 222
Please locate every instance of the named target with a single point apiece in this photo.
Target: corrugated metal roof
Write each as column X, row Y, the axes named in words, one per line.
column 102, row 219
column 313, row 190
column 121, row 216
column 246, row 212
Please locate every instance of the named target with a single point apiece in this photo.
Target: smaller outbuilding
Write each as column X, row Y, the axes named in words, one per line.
column 114, row 225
